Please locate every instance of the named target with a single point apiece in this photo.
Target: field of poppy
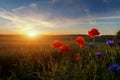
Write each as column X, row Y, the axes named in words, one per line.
column 68, row 58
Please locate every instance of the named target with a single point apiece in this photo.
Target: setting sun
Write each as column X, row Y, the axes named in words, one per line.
column 32, row 34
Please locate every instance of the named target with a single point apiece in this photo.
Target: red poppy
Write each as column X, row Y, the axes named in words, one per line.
column 93, row 33
column 81, row 45
column 80, row 41
column 64, row 48
column 56, row 44
column 78, row 58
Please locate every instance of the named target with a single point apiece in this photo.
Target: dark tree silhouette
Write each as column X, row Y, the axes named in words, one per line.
column 117, row 36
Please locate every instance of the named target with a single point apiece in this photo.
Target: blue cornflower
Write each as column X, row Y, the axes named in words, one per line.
column 91, row 44
column 114, row 68
column 99, row 54
column 110, row 43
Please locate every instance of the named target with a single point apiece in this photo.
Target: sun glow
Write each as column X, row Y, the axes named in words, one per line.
column 32, row 34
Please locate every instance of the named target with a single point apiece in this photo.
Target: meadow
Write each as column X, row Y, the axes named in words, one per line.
column 35, row 59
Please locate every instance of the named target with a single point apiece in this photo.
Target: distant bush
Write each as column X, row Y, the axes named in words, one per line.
column 117, row 37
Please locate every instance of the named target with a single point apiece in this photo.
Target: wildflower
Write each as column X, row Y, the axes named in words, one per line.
column 81, row 45
column 114, row 68
column 78, row 58
column 91, row 44
column 93, row 33
column 64, row 48
column 80, row 41
column 110, row 43
column 99, row 54
column 56, row 44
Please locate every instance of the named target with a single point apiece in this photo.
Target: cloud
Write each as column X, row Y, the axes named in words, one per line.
column 109, row 17
column 92, row 21
column 30, row 17
column 21, row 20
column 17, row 9
column 95, row 20
column 33, row 5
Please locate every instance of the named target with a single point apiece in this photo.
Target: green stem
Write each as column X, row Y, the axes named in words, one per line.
column 112, row 56
column 94, row 41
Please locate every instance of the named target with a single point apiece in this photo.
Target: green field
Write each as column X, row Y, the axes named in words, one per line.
column 35, row 59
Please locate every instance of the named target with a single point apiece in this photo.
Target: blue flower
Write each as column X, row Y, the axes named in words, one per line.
column 99, row 54
column 110, row 43
column 91, row 44
column 114, row 68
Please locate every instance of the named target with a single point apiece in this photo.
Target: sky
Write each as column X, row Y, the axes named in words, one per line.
column 59, row 16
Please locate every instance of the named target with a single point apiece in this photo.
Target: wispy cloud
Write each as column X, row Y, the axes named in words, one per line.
column 25, row 18
column 92, row 21
column 25, row 21
column 109, row 17
column 33, row 5
column 19, row 8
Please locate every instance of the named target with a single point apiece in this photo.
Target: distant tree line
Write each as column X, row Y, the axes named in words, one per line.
column 117, row 36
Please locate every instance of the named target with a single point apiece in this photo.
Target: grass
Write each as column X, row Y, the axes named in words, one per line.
column 37, row 60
